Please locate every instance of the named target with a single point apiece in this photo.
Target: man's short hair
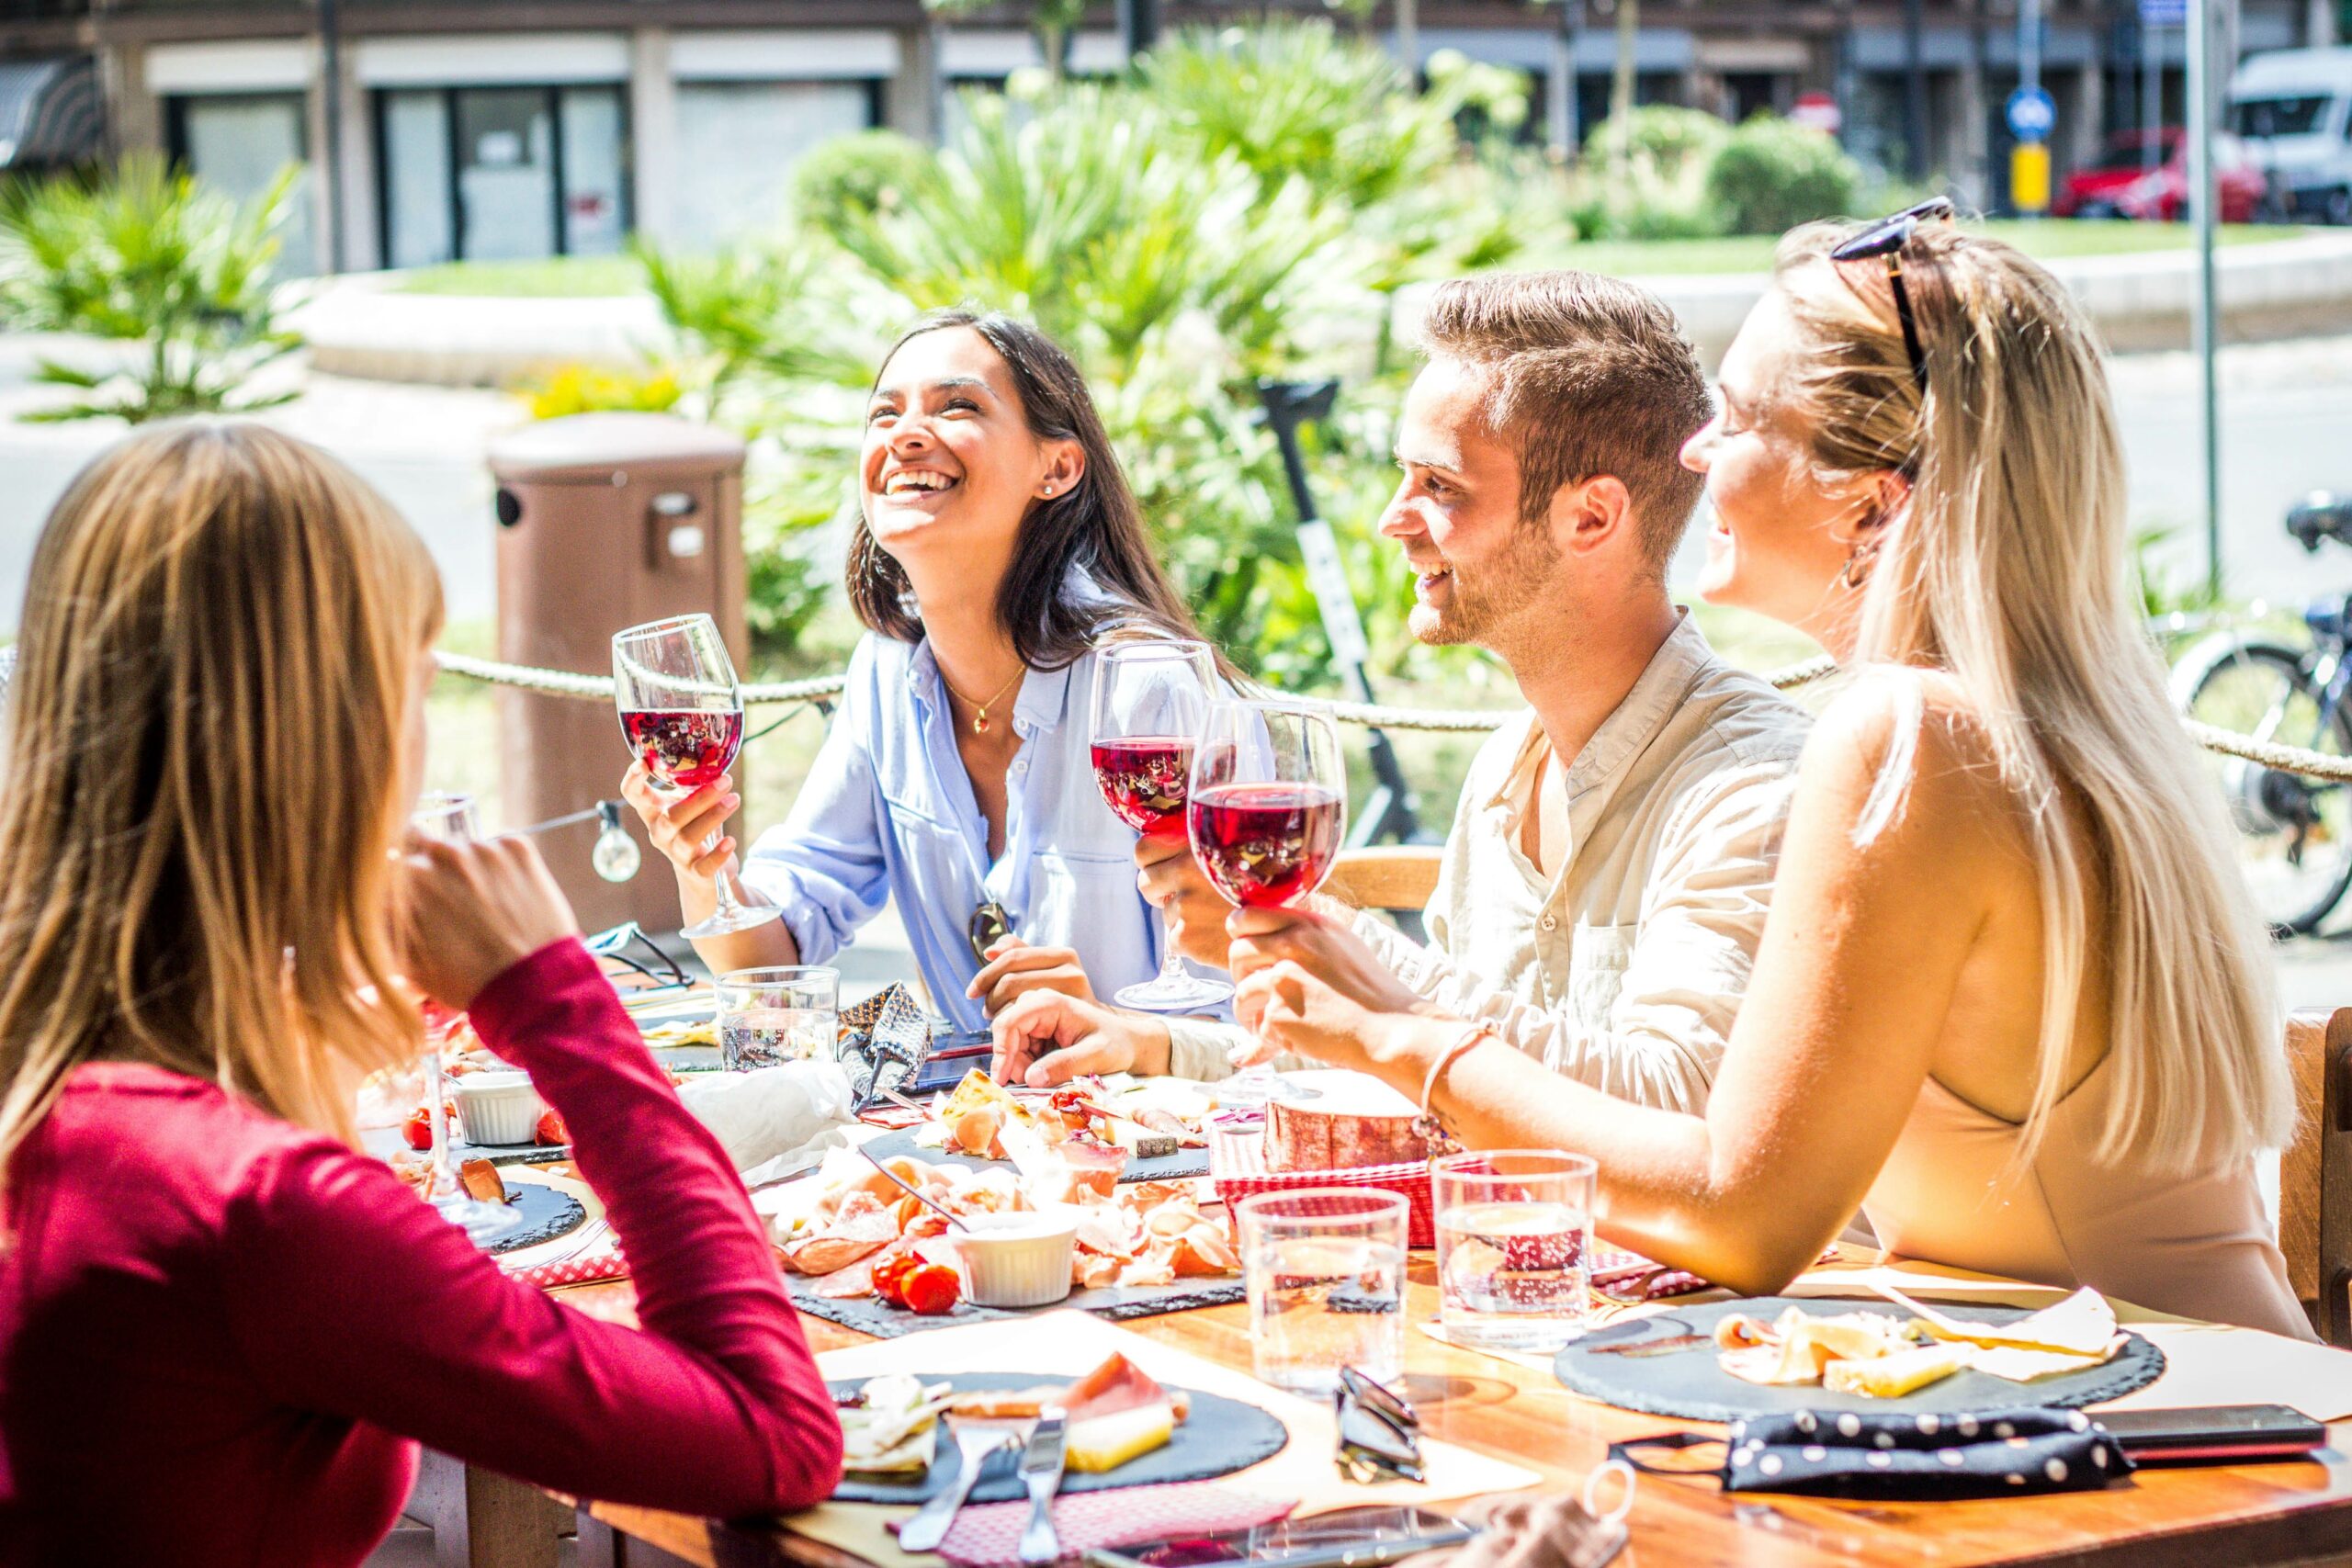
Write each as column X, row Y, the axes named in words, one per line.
column 1591, row 377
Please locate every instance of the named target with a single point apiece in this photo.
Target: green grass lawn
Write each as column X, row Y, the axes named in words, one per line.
column 556, row 277
column 2047, row 239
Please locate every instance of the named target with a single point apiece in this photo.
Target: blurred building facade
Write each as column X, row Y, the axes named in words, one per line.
column 485, row 129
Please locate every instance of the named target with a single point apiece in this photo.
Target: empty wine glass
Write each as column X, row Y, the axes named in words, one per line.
column 1150, row 700
column 450, row 818
column 1266, row 813
column 682, row 712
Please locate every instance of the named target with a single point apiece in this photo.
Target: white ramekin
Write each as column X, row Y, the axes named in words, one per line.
column 497, row 1107
column 1016, row 1260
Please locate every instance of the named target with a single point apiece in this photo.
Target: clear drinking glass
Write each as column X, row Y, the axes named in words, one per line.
column 681, row 713
column 1514, row 1247
column 780, row 1013
column 1324, row 1269
column 1266, row 813
column 1150, row 700
column 450, row 818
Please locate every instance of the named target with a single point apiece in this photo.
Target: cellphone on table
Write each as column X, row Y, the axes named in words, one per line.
column 953, row 1053
column 1351, row 1537
column 2227, row 1432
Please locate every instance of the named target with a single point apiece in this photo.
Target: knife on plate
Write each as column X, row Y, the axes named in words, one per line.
column 975, row 1447
column 1041, row 1472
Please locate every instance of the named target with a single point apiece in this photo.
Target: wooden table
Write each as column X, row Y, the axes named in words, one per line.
column 2207, row 1517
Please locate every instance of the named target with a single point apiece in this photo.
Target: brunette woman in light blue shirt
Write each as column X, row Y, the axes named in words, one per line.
column 997, row 546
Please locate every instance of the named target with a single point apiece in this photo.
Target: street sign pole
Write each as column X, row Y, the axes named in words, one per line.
column 2201, row 317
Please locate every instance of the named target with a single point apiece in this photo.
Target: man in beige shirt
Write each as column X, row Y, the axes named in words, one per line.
column 1605, row 883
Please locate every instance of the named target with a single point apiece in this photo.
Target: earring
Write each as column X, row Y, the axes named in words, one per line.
column 1858, row 565
column 1049, row 491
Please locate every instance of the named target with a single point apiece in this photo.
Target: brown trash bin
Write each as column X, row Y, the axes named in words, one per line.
column 606, row 519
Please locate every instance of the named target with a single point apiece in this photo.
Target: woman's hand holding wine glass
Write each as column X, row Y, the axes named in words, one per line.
column 475, row 909
column 686, row 831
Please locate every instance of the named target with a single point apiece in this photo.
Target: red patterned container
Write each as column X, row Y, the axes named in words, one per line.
column 1238, row 1165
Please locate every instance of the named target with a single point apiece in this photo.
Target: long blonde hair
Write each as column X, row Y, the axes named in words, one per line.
column 2008, row 569
column 205, row 742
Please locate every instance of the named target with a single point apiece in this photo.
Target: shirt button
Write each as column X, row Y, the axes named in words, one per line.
column 1551, row 922
column 1021, row 767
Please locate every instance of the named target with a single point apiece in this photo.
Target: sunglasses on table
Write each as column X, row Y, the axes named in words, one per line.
column 1380, row 1433
column 1886, row 238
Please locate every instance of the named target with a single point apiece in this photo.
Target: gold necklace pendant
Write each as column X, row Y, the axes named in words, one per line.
column 980, row 722
column 980, row 710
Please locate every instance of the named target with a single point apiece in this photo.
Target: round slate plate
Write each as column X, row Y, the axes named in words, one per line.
column 1159, row 1167
column 1691, row 1382
column 547, row 1213
column 1218, row 1436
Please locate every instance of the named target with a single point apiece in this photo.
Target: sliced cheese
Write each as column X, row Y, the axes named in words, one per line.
column 1105, row 1442
column 1888, row 1377
column 2020, row 1365
column 2082, row 1324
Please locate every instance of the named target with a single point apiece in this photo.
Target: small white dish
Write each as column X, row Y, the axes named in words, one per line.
column 1018, row 1259
column 497, row 1107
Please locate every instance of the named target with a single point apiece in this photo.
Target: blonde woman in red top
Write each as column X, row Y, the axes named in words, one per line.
column 223, row 1333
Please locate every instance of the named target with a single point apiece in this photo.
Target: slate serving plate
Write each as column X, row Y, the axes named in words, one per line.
column 1218, row 1436
column 547, row 1213
column 1690, row 1383
column 1159, row 1167
column 1113, row 1303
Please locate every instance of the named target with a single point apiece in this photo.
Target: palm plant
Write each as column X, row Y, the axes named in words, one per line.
column 145, row 254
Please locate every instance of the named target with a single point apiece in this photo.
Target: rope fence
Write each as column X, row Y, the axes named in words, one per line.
column 599, row 688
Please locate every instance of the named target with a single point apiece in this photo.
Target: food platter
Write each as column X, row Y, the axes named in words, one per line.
column 1689, row 1381
column 1173, row 1167
column 1217, row 1437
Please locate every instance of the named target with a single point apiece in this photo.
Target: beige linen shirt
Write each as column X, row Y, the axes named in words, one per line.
column 1624, row 970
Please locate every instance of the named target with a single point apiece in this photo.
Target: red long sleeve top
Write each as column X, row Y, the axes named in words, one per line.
column 222, row 1336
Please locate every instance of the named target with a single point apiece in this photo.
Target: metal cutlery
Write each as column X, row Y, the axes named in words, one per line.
column 1041, row 1472
column 975, row 1446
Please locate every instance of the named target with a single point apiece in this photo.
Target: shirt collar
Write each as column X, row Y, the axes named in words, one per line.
column 1630, row 727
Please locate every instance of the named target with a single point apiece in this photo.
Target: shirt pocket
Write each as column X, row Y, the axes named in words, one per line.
column 1077, row 894
column 1597, row 960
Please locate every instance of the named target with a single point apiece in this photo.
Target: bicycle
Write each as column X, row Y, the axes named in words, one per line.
column 2295, row 833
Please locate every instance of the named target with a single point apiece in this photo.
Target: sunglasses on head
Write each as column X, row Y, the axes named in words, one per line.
column 1886, row 238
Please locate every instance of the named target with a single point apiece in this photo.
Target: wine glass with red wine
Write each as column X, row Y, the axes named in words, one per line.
column 450, row 818
column 1150, row 700
column 1269, row 800
column 681, row 713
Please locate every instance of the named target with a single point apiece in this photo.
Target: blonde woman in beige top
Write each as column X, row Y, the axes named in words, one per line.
column 2012, row 1000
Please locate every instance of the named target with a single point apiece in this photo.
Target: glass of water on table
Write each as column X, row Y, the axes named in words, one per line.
column 781, row 1013
column 1514, row 1247
column 1324, row 1268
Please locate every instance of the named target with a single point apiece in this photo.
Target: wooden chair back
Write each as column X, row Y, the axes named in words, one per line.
column 2315, row 1171
column 1398, row 879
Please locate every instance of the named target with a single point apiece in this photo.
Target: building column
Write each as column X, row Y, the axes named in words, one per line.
column 134, row 115
column 2318, row 25
column 912, row 101
column 363, row 245
column 1973, row 168
column 653, row 133
column 2089, row 133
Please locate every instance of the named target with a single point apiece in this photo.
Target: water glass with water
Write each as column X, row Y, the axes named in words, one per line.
column 1514, row 1246
column 781, row 1013
column 1324, row 1268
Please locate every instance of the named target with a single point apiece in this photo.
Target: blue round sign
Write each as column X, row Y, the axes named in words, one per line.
column 2032, row 114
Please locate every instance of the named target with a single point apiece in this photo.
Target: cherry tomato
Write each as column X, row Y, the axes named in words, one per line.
column 890, row 1277
column 549, row 1131
column 418, row 1129
column 933, row 1289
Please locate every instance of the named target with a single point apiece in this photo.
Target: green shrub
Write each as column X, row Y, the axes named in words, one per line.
column 1668, row 140
column 1771, row 175
column 862, row 173
column 146, row 254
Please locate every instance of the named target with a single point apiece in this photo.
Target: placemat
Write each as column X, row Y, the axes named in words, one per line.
column 990, row 1537
column 1218, row 1436
column 1693, row 1384
column 1183, row 1163
column 867, row 1314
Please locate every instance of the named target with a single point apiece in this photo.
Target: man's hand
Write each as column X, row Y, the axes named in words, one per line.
column 1530, row 1532
column 1045, row 1038
column 1014, row 969
column 1171, row 878
column 1323, row 946
column 1288, row 1009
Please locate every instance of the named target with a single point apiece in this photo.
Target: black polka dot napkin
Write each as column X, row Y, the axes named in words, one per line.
column 1908, row 1457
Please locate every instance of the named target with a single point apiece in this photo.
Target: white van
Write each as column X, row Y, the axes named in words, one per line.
column 2293, row 107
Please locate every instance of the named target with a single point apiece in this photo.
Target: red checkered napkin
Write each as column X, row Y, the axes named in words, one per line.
column 603, row 1261
column 989, row 1535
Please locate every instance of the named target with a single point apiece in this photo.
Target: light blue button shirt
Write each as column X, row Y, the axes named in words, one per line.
column 888, row 813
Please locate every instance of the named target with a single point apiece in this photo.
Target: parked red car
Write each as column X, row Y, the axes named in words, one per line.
column 2122, row 185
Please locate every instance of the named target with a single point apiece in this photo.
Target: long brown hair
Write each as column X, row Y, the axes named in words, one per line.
column 1094, row 526
column 204, row 734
